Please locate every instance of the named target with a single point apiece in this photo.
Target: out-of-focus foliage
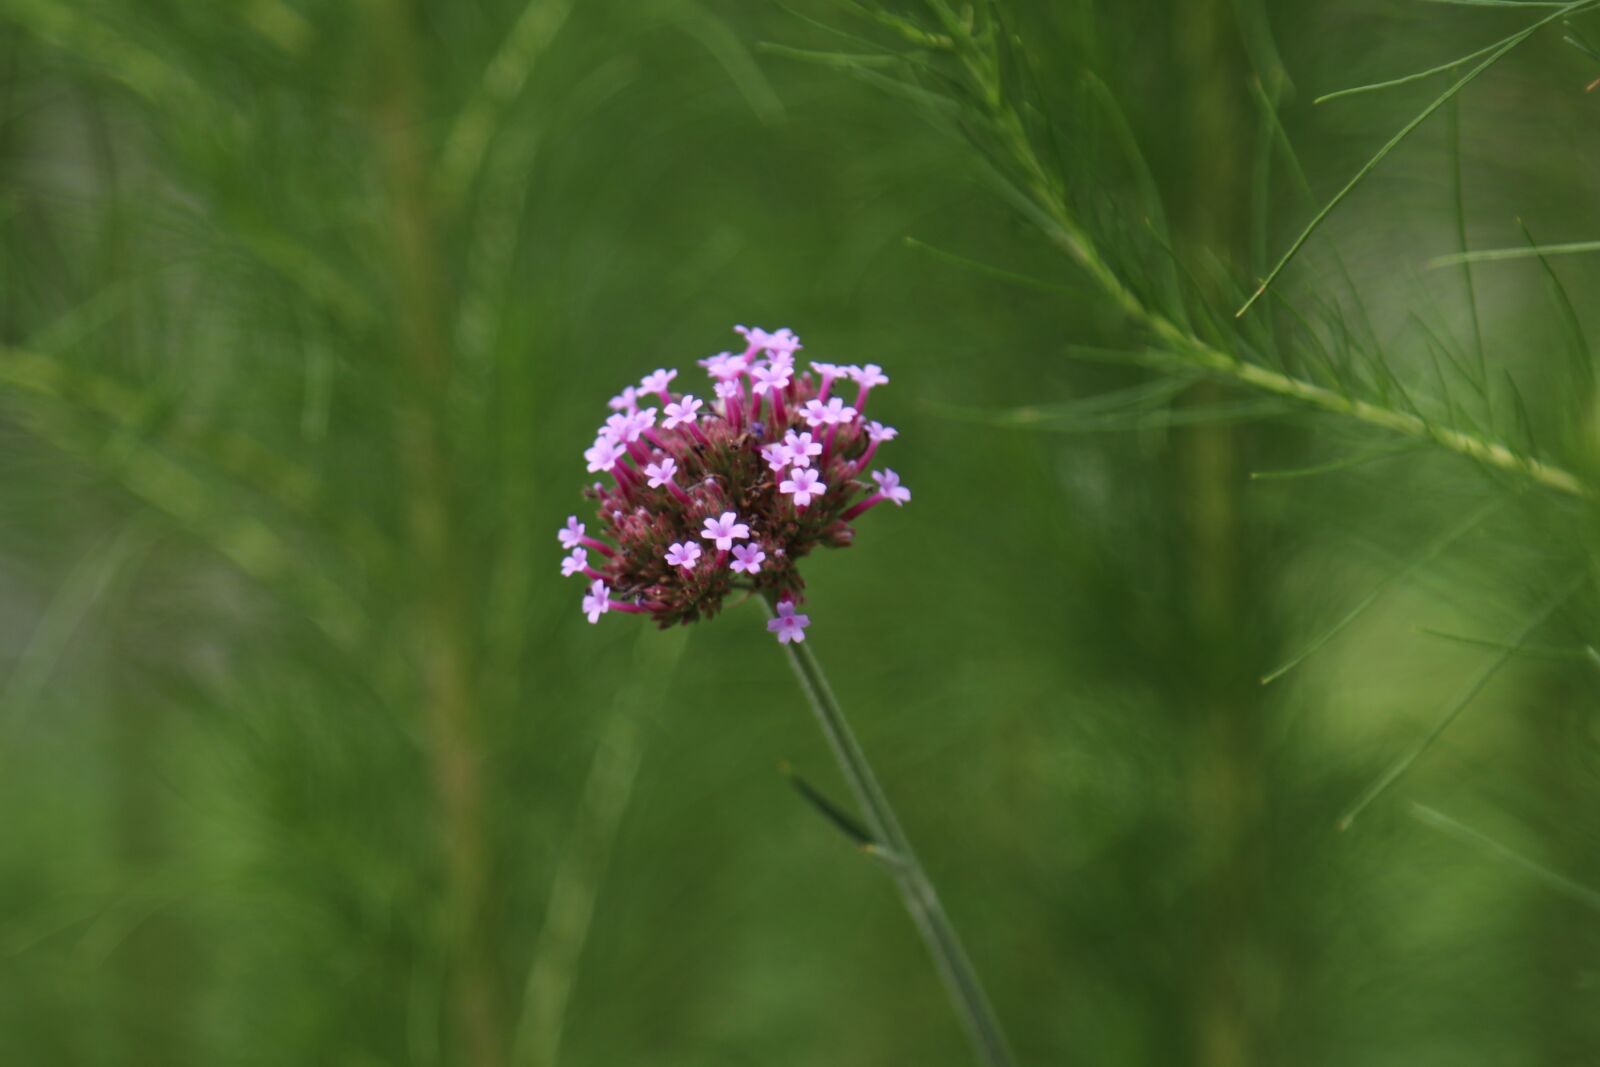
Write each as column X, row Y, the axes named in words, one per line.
column 307, row 755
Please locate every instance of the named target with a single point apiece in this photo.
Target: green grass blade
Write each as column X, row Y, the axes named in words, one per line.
column 1433, row 551
column 1398, row 769
column 1558, row 882
column 1493, row 55
column 998, row 273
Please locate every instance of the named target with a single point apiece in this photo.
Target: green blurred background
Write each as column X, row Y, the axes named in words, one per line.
column 307, row 755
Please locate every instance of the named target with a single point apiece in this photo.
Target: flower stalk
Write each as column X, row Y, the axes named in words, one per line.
column 916, row 889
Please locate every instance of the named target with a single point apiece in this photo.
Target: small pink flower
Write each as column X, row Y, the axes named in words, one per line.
column 657, row 382
column 747, row 558
column 660, row 474
column 728, row 390
column 684, row 555
column 598, row 601
column 776, row 454
column 827, row 370
column 627, row 428
column 801, row 448
column 571, row 535
column 724, row 365
column 833, row 413
column 627, row 400
column 869, row 376
column 891, row 489
column 781, row 343
column 683, row 411
column 803, row 485
column 574, row 563
column 774, row 376
column 605, row 454
column 788, row 626
column 880, row 433
column 725, row 530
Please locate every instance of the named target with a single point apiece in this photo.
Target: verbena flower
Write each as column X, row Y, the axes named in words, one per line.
column 788, row 625
column 774, row 463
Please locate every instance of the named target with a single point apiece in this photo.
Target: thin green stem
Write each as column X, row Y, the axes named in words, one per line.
column 1048, row 206
column 916, row 890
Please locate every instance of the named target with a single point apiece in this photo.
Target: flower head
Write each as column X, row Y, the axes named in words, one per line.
column 749, row 478
column 803, row 485
column 683, row 554
column 725, row 530
column 747, row 558
column 788, row 625
column 597, row 601
column 889, row 485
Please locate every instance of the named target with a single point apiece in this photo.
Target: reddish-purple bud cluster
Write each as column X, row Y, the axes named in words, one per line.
column 709, row 497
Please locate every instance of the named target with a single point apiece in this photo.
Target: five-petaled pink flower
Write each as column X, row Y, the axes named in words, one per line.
column 780, row 343
column 604, row 455
column 683, row 554
column 628, row 427
column 803, row 485
column 834, row 412
column 869, row 376
column 747, row 558
column 774, row 376
column 571, row 535
column 801, row 448
column 889, row 485
column 723, row 365
column 598, row 601
column 788, row 626
column 681, row 411
column 879, row 432
column 627, row 400
column 574, row 563
column 776, row 454
column 725, row 530
column 660, row 474
column 657, row 381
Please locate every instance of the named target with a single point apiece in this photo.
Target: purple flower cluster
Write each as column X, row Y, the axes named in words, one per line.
column 710, row 496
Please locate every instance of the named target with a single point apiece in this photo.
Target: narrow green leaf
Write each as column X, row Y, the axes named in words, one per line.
column 1454, row 710
column 1558, row 882
column 842, row 820
column 998, row 273
column 1492, row 55
column 1437, row 547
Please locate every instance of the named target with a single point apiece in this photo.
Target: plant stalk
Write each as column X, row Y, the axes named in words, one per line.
column 1182, row 345
column 916, row 890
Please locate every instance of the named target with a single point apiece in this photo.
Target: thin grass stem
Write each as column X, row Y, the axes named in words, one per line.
column 916, row 890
